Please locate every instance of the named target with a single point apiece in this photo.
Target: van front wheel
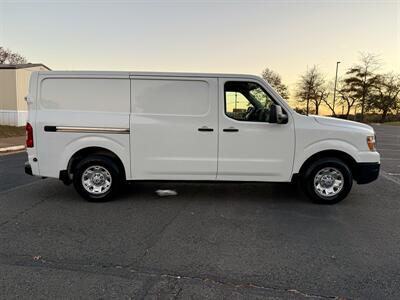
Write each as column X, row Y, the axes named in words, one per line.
column 327, row 181
column 96, row 178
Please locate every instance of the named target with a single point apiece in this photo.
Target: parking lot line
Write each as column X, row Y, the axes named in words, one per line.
column 390, row 158
column 384, row 144
column 19, row 187
column 389, row 149
column 391, row 178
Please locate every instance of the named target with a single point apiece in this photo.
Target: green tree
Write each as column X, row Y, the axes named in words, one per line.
column 360, row 78
column 385, row 94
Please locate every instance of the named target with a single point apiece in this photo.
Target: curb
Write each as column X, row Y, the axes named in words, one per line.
column 12, row 149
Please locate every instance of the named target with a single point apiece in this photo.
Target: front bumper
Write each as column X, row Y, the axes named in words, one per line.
column 28, row 168
column 366, row 172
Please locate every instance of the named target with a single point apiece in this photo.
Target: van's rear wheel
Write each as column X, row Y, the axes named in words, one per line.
column 327, row 180
column 96, row 178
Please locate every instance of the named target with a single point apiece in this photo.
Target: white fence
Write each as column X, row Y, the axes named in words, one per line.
column 13, row 117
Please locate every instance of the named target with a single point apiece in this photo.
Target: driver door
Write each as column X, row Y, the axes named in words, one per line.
column 251, row 148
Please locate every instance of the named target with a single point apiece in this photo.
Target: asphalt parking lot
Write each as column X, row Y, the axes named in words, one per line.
column 233, row 241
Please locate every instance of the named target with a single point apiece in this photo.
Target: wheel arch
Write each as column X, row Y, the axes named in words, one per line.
column 78, row 155
column 85, row 145
column 345, row 157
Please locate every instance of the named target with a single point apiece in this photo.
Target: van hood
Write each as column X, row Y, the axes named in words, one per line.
column 343, row 123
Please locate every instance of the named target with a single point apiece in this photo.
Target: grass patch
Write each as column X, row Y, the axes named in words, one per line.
column 11, row 131
column 396, row 123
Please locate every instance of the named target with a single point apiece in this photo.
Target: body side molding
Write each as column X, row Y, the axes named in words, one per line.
column 78, row 129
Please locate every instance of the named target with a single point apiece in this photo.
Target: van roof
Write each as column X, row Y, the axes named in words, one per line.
column 140, row 73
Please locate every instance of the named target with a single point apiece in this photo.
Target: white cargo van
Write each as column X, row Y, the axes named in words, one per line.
column 98, row 129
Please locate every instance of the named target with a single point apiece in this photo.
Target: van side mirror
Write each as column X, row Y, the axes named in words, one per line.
column 276, row 115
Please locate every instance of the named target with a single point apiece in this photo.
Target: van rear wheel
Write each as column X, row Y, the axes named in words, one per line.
column 327, row 181
column 96, row 178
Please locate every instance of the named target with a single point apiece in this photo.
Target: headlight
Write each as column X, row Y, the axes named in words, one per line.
column 371, row 142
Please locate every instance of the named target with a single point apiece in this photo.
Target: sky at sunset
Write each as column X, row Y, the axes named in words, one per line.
column 202, row 36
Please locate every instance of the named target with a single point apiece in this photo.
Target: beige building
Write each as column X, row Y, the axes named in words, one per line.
column 14, row 83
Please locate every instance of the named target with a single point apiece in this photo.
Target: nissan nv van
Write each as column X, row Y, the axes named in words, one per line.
column 99, row 129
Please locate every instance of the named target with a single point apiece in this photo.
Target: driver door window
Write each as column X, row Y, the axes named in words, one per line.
column 246, row 101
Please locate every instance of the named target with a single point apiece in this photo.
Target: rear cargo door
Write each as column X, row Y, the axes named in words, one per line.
column 79, row 101
column 174, row 128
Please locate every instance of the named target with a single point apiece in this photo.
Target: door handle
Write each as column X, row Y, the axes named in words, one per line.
column 205, row 128
column 230, row 129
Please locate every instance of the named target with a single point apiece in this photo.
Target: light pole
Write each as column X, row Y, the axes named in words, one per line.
column 334, row 90
column 235, row 100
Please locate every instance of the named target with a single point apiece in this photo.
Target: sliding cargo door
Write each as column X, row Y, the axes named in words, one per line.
column 174, row 128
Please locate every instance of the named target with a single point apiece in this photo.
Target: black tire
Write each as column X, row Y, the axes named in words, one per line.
column 307, row 180
column 103, row 162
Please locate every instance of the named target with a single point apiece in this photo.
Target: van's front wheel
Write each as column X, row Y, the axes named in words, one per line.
column 96, row 178
column 327, row 181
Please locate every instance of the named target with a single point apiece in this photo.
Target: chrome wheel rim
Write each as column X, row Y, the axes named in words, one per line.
column 328, row 182
column 96, row 180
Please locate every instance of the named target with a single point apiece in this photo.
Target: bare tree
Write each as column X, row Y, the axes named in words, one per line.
column 275, row 80
column 360, row 77
column 330, row 105
column 320, row 97
column 385, row 94
column 347, row 97
column 327, row 100
column 300, row 110
column 9, row 57
column 310, row 88
column 3, row 55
